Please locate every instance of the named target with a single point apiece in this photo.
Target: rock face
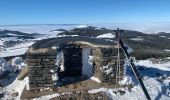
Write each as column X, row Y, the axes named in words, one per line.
column 43, row 73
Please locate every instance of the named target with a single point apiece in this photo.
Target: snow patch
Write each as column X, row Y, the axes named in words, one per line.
column 16, row 63
column 12, row 34
column 47, row 97
column 1, row 42
column 59, row 61
column 107, row 35
column 16, row 50
column 95, row 79
column 126, row 80
column 148, row 63
column 87, row 64
column 3, row 64
column 168, row 50
column 55, row 77
column 97, row 90
column 17, row 86
column 129, row 50
column 163, row 36
column 10, row 39
column 136, row 39
column 82, row 26
column 67, row 35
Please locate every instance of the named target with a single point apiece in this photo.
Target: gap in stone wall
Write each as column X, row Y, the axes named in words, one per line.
column 87, row 59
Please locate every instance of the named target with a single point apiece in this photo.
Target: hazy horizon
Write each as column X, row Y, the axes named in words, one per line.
column 142, row 27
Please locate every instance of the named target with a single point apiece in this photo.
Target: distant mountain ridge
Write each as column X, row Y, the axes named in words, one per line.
column 143, row 45
column 18, row 34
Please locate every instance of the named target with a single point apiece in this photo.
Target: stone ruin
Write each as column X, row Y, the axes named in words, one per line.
column 41, row 60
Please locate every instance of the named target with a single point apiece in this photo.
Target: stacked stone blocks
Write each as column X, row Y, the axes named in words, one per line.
column 41, row 70
column 105, row 61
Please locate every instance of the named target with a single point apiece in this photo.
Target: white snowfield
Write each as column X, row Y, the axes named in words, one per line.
column 148, row 63
column 41, row 29
column 167, row 50
column 20, row 49
column 107, row 35
column 16, row 50
column 82, row 26
column 136, row 39
column 23, row 47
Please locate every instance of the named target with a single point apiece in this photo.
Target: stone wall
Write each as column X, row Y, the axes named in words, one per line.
column 43, row 72
column 41, row 69
column 73, row 60
column 105, row 64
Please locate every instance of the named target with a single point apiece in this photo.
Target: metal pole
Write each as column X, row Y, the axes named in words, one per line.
column 132, row 65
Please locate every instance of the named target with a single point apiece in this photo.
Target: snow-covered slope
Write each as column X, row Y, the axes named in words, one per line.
column 11, row 86
column 16, row 64
column 16, row 50
column 158, row 86
column 156, row 76
column 107, row 35
column 14, row 90
column 41, row 29
column 82, row 26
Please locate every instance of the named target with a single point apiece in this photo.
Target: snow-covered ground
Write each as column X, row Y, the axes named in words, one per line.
column 16, row 63
column 12, row 87
column 167, row 50
column 136, row 39
column 49, row 32
column 156, row 77
column 16, row 50
column 16, row 87
column 158, row 86
column 149, row 63
column 107, row 35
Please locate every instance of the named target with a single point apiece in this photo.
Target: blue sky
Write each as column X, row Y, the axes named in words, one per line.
column 83, row 11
